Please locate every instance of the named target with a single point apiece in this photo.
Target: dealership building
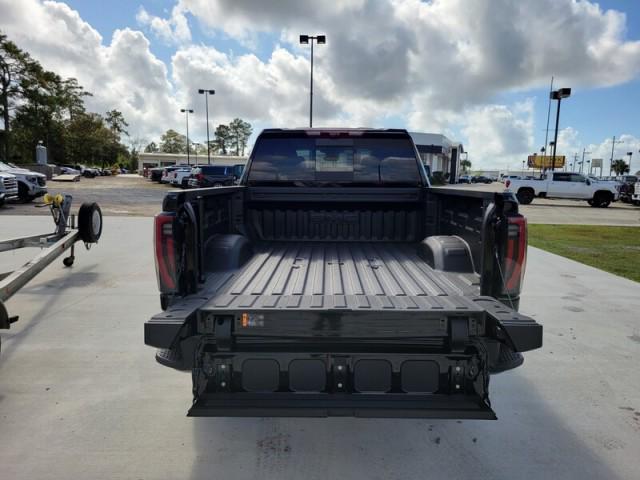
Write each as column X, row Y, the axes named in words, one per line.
column 152, row 160
column 439, row 153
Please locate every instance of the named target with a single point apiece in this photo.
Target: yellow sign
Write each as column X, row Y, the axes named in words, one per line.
column 545, row 161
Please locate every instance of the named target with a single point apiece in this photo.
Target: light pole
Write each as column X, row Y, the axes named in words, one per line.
column 630, row 155
column 584, row 150
column 206, row 94
column 558, row 95
column 613, row 146
column 187, row 111
column 320, row 40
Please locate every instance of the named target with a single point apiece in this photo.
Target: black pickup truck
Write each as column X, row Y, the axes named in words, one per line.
column 334, row 281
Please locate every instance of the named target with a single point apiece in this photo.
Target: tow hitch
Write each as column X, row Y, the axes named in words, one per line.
column 64, row 237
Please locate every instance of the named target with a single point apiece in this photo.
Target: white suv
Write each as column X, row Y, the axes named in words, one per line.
column 30, row 184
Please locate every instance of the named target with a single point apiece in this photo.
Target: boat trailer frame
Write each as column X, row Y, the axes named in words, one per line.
column 53, row 245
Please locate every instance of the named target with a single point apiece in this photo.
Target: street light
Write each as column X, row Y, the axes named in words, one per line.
column 305, row 40
column 630, row 155
column 558, row 95
column 187, row 111
column 206, row 94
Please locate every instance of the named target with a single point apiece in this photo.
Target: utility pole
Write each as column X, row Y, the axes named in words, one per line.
column 575, row 159
column 584, row 150
column 613, row 146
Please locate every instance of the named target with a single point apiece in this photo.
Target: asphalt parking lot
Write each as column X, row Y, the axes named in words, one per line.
column 82, row 397
column 132, row 195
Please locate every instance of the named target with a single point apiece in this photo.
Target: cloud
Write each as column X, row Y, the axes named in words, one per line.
column 440, row 66
column 123, row 74
column 174, row 30
column 498, row 135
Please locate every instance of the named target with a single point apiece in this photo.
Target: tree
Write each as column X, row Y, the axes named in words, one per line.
column 173, row 142
column 13, row 67
column 620, row 166
column 465, row 164
column 239, row 131
column 222, row 138
column 151, row 148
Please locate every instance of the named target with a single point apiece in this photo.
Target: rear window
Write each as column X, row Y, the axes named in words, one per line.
column 328, row 161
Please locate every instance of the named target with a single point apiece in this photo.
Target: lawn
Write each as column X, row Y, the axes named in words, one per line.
column 613, row 249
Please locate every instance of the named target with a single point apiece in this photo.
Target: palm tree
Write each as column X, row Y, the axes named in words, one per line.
column 620, row 167
column 465, row 164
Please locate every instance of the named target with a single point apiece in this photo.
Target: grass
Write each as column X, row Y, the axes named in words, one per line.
column 613, row 249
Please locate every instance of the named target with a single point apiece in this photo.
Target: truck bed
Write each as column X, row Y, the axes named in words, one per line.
column 334, row 275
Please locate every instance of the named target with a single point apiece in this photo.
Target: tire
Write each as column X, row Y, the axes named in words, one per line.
column 23, row 193
column 90, row 222
column 525, row 196
column 601, row 200
column 68, row 261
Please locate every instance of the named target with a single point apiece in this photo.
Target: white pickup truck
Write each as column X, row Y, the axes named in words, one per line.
column 565, row 185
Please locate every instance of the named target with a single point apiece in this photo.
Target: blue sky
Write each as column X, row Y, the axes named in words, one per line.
column 370, row 73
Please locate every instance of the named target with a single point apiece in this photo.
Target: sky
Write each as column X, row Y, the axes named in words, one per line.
column 478, row 71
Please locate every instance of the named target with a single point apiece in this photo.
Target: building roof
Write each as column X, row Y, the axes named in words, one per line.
column 434, row 142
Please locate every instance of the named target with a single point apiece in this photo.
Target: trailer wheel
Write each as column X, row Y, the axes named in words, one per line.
column 68, row 261
column 90, row 222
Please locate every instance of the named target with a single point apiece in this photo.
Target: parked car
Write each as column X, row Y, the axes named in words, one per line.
column 316, row 289
column 481, row 179
column 215, row 175
column 464, row 179
column 635, row 197
column 627, row 186
column 180, row 176
column 87, row 172
column 8, row 187
column 168, row 171
column 155, row 174
column 30, row 184
column 68, row 170
column 565, row 185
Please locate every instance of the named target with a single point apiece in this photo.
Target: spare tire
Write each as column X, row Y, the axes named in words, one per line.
column 90, row 222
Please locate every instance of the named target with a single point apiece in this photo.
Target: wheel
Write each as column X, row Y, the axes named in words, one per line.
column 600, row 200
column 525, row 196
column 90, row 222
column 636, row 203
column 68, row 261
column 23, row 193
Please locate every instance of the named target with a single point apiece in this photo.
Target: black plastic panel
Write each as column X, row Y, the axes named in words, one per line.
column 260, row 375
column 420, row 376
column 372, row 376
column 307, row 376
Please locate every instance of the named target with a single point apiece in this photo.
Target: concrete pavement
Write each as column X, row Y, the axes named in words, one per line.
column 82, row 397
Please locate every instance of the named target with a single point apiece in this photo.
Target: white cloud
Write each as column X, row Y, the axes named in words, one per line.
column 498, row 135
column 174, row 30
column 123, row 74
column 439, row 66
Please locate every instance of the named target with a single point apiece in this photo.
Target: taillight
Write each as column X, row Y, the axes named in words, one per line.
column 200, row 177
column 515, row 258
column 165, row 254
column 507, row 183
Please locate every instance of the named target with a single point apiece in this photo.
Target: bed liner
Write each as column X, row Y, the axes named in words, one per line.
column 335, row 275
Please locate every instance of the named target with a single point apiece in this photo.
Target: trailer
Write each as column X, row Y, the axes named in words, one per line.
column 53, row 245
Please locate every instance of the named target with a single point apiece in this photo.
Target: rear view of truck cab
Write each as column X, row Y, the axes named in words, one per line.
column 335, row 281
